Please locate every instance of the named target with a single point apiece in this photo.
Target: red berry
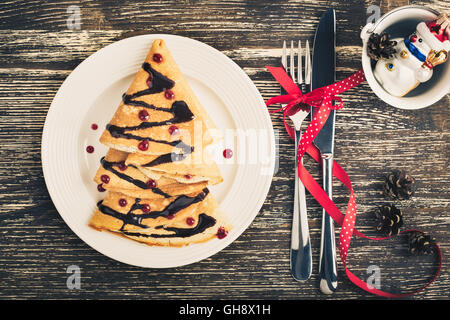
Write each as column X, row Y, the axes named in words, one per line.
column 188, row 176
column 151, row 183
column 94, row 126
column 173, row 130
column 143, row 145
column 143, row 115
column 122, row 166
column 190, row 221
column 222, row 233
column 227, row 153
column 149, row 80
column 104, row 178
column 100, row 188
column 122, row 202
column 169, row 94
column 89, row 149
column 157, row 58
column 171, row 216
column 145, row 208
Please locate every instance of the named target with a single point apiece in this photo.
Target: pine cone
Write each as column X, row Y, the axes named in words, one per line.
column 420, row 243
column 399, row 185
column 380, row 47
column 389, row 220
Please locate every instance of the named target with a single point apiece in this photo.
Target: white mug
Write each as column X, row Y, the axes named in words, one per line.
column 401, row 22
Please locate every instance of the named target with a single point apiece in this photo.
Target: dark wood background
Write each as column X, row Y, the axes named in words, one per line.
column 38, row 52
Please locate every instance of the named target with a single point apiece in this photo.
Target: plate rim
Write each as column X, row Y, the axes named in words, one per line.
column 46, row 165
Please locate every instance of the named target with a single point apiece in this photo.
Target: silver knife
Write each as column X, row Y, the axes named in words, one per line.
column 323, row 73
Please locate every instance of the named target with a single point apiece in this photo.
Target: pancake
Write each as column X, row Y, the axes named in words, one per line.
column 159, row 110
column 129, row 180
column 190, row 168
column 176, row 221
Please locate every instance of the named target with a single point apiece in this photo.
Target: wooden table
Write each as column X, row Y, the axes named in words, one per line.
column 38, row 52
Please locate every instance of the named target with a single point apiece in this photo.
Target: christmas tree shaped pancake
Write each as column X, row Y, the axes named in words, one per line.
column 157, row 169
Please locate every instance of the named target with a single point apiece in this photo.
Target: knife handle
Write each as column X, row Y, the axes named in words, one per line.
column 328, row 264
column 301, row 257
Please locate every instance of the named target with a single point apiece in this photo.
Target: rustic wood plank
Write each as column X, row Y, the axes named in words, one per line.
column 37, row 246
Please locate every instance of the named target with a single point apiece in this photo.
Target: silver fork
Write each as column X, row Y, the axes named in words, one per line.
column 301, row 259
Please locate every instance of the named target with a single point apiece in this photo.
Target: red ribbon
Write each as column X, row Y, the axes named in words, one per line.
column 322, row 98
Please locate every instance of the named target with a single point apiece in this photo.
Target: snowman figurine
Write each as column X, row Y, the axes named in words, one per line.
column 413, row 58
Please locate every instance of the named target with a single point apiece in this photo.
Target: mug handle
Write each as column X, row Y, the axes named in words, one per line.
column 367, row 31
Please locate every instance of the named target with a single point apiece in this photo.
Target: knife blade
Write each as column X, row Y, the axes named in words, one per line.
column 323, row 73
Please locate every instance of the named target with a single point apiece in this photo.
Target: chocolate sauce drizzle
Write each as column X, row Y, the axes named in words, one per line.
column 180, row 203
column 119, row 132
column 204, row 222
column 167, row 158
column 128, row 218
column 108, row 165
column 158, row 84
column 179, row 110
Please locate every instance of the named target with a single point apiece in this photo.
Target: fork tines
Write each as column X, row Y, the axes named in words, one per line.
column 292, row 69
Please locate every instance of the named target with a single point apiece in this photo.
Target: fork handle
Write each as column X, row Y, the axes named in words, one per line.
column 301, row 259
column 327, row 265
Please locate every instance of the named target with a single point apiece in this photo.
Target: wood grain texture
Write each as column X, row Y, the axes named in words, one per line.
column 38, row 52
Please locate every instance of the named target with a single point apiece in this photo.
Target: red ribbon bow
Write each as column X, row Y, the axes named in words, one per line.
column 322, row 98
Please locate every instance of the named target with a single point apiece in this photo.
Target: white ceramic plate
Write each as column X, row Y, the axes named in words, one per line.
column 91, row 94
